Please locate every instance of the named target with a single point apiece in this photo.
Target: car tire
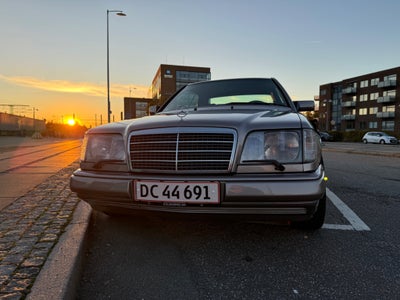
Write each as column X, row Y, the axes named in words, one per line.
column 382, row 142
column 316, row 221
column 365, row 141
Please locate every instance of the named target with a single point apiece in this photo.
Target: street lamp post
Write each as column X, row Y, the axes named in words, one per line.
column 118, row 13
column 34, row 119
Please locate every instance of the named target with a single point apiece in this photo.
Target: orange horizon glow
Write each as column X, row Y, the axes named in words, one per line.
column 52, row 98
column 86, row 88
column 71, row 122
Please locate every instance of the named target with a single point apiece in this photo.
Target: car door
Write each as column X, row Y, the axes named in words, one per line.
column 375, row 137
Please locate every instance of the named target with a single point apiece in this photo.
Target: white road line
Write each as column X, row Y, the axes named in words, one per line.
column 338, row 227
column 356, row 223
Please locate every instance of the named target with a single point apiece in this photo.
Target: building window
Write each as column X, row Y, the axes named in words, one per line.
column 363, row 97
column 373, row 96
column 323, row 92
column 185, row 77
column 390, row 93
column 350, row 125
column 373, row 111
column 388, row 125
column 391, row 77
column 364, row 83
column 390, row 108
column 374, row 81
column 373, row 125
column 363, row 111
column 363, row 125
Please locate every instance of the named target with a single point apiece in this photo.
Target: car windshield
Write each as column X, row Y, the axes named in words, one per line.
column 227, row 92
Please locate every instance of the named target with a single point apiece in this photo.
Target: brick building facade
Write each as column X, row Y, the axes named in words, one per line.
column 367, row 102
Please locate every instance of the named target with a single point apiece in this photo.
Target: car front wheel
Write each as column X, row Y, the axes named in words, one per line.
column 317, row 220
column 365, row 141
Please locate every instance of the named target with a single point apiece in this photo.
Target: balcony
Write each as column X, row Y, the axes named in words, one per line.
column 386, row 99
column 349, row 90
column 385, row 114
column 348, row 117
column 349, row 104
column 387, row 83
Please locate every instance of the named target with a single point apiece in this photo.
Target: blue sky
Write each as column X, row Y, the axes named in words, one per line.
column 53, row 53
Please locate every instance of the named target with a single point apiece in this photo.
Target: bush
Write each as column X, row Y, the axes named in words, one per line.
column 353, row 136
column 337, row 135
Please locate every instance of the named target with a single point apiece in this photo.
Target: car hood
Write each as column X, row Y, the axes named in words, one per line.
column 241, row 120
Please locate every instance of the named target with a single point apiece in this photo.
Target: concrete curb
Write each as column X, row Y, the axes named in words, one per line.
column 60, row 275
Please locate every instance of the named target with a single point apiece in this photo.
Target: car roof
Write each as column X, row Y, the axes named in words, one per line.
column 231, row 79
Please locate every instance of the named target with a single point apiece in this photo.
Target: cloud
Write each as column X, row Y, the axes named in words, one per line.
column 87, row 88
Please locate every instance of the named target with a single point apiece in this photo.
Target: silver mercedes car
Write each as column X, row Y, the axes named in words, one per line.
column 235, row 147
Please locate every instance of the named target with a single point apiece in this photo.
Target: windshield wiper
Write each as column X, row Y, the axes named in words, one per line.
column 277, row 164
column 255, row 102
column 100, row 163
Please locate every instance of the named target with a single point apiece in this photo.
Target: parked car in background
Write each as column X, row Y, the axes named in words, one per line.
column 325, row 136
column 379, row 137
column 235, row 147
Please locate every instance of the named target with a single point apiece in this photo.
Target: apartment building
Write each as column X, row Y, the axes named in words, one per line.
column 170, row 78
column 367, row 102
column 167, row 80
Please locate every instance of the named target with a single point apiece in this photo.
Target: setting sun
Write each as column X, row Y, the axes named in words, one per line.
column 71, row 122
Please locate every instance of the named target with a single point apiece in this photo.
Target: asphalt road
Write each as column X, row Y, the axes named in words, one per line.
column 26, row 162
column 355, row 255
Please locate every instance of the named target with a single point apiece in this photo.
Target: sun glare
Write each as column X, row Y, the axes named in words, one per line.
column 71, row 122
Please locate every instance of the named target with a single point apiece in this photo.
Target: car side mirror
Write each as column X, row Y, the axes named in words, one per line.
column 153, row 109
column 304, row 105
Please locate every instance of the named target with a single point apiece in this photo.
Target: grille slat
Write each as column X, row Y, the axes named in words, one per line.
column 187, row 151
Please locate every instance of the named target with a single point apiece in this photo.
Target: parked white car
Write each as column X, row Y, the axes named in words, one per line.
column 379, row 137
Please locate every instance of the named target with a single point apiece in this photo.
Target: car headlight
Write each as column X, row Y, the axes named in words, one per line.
column 311, row 146
column 103, row 147
column 284, row 146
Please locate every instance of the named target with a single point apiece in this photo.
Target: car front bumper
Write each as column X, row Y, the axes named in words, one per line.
column 293, row 196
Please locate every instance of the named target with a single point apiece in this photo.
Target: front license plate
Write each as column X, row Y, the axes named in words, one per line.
column 178, row 192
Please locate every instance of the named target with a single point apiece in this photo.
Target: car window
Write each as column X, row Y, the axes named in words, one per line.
column 187, row 100
column 223, row 92
column 254, row 98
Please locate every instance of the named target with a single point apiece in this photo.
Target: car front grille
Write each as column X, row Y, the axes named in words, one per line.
column 182, row 151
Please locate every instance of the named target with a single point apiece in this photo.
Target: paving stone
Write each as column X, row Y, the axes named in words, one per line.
column 17, row 285
column 28, row 272
column 13, row 259
column 11, row 296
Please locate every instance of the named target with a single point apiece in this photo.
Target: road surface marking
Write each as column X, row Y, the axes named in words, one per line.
column 355, row 222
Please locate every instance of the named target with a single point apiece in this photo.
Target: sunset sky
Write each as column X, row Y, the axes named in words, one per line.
column 53, row 53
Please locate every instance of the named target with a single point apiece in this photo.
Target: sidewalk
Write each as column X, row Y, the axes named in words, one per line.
column 30, row 229
column 41, row 235
column 361, row 148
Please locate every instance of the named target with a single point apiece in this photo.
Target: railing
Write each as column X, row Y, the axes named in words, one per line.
column 387, row 83
column 349, row 90
column 385, row 99
column 348, row 117
column 349, row 104
column 385, row 114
